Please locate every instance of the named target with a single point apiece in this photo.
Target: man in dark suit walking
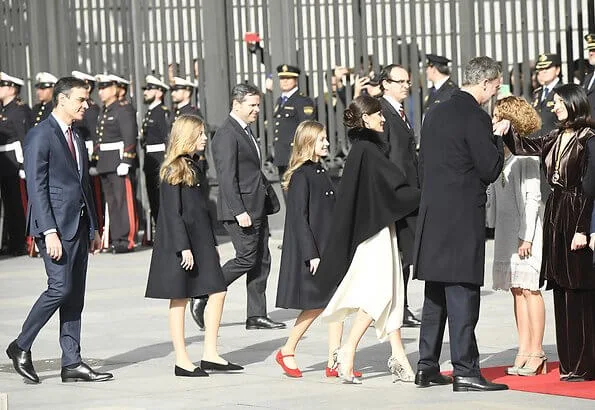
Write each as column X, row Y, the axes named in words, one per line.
column 459, row 157
column 399, row 137
column 61, row 216
column 242, row 205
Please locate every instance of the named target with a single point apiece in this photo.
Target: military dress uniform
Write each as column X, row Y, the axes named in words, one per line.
column 288, row 113
column 187, row 109
column 155, row 131
column 589, row 83
column 445, row 91
column 41, row 111
column 15, row 121
column 544, row 104
column 116, row 144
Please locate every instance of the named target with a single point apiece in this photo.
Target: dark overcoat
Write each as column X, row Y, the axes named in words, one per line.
column 373, row 194
column 184, row 222
column 310, row 202
column 459, row 157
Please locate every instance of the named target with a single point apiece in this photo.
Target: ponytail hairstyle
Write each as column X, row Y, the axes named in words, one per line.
column 304, row 144
column 185, row 132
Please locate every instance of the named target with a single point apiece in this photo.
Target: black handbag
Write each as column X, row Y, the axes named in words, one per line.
column 271, row 202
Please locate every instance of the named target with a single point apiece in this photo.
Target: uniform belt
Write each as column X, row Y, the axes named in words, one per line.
column 16, row 147
column 155, row 148
column 111, row 146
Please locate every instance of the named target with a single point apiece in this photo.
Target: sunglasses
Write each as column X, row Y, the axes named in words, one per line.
column 401, row 82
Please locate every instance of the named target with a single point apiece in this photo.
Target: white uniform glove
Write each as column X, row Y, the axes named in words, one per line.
column 93, row 172
column 22, row 173
column 122, row 169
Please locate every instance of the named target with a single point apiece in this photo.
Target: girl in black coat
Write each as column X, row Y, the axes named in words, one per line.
column 185, row 261
column 310, row 202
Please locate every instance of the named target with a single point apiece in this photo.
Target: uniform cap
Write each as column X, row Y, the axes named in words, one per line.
column 153, row 83
column 181, row 83
column 374, row 79
column 545, row 61
column 120, row 81
column 105, row 80
column 45, row 80
column 590, row 39
column 83, row 76
column 10, row 81
column 285, row 70
column 434, row 59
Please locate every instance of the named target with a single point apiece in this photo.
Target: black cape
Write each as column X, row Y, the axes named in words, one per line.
column 373, row 194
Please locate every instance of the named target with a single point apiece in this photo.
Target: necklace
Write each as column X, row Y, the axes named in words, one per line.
column 563, row 141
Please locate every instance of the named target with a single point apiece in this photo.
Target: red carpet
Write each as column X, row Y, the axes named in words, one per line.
column 545, row 384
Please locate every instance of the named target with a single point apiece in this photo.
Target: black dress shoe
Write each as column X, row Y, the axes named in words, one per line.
column 197, row 310
column 83, row 373
column 21, row 360
column 409, row 320
column 117, row 249
column 425, row 378
column 197, row 372
column 229, row 367
column 263, row 322
column 476, row 383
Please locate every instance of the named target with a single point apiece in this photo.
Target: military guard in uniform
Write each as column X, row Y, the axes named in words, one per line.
column 291, row 109
column 87, row 129
column 548, row 77
column 589, row 83
column 438, row 72
column 154, row 131
column 44, row 87
column 15, row 121
column 181, row 94
column 115, row 156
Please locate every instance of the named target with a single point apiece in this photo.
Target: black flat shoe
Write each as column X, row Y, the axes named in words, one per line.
column 409, row 319
column 206, row 365
column 263, row 322
column 83, row 373
column 476, row 383
column 197, row 310
column 426, row 378
column 21, row 361
column 197, row 372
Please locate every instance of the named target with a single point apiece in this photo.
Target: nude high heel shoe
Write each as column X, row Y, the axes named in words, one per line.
column 400, row 368
column 541, row 368
column 347, row 378
column 514, row 370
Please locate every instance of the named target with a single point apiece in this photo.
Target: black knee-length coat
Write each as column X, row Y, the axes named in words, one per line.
column 459, row 156
column 310, row 201
column 184, row 222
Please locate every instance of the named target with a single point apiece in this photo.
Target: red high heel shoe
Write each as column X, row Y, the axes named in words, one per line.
column 290, row 372
column 335, row 373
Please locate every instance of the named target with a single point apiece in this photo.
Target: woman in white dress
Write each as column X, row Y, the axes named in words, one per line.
column 363, row 259
column 516, row 202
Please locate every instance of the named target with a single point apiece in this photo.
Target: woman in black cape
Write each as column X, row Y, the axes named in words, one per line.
column 185, row 261
column 362, row 261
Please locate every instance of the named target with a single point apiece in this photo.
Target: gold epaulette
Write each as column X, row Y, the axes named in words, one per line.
column 130, row 155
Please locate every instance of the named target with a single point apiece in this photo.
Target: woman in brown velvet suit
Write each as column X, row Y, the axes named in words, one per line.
column 567, row 262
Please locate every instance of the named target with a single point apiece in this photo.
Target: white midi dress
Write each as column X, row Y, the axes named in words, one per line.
column 373, row 283
column 516, row 203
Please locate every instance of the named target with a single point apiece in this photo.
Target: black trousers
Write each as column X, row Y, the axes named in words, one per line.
column 151, row 167
column 119, row 195
column 575, row 331
column 14, row 214
column 253, row 259
column 66, row 291
column 460, row 303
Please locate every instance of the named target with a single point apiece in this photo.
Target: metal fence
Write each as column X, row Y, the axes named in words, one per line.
column 205, row 40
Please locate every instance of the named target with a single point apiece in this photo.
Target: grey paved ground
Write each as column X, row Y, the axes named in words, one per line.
column 127, row 334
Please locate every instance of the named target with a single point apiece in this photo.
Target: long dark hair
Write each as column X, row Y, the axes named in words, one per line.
column 353, row 119
column 576, row 101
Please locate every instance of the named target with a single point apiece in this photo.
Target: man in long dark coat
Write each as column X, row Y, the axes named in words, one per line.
column 459, row 157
